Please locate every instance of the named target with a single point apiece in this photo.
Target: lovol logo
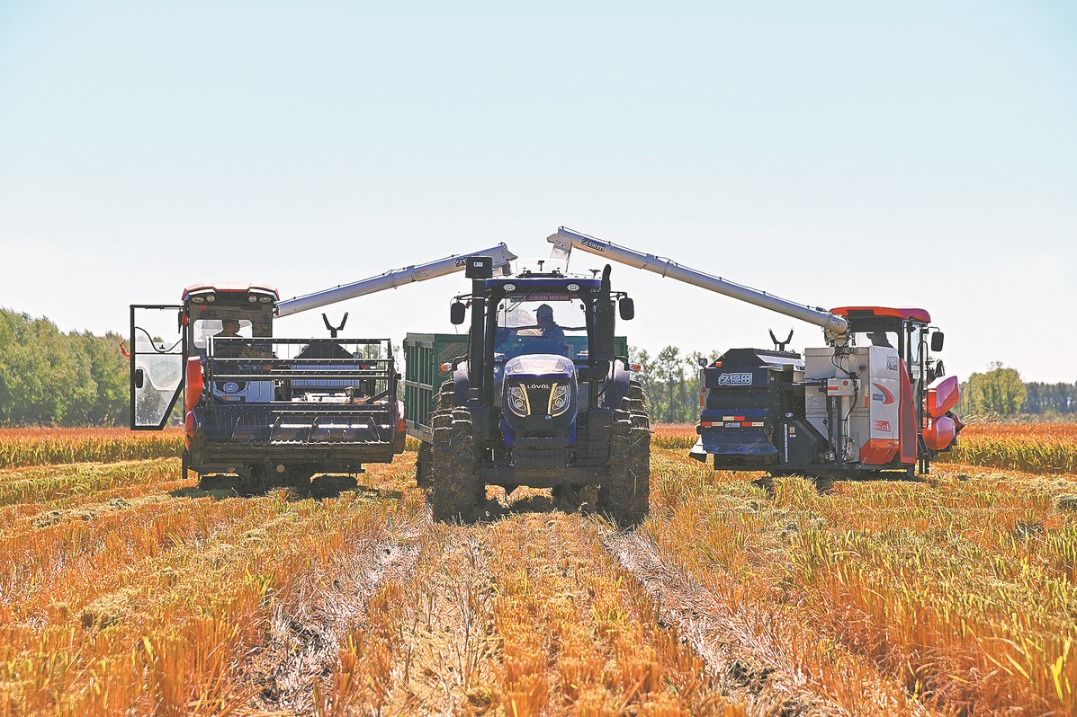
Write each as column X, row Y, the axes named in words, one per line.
column 735, row 379
column 537, row 386
column 597, row 246
column 884, row 396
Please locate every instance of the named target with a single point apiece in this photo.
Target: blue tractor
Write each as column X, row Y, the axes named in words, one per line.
column 541, row 398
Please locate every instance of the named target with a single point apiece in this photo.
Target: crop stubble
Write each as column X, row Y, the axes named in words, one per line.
column 124, row 590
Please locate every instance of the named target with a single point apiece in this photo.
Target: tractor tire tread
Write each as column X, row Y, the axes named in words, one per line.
column 455, row 489
column 625, row 497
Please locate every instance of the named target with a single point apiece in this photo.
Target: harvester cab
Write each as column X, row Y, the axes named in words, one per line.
column 544, row 397
column 872, row 399
column 264, row 408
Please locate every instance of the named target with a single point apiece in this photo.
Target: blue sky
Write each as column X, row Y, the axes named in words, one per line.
column 910, row 154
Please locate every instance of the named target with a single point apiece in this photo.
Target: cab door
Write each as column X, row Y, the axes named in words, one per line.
column 158, row 359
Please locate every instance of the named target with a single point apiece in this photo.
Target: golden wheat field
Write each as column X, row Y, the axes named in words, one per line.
column 128, row 590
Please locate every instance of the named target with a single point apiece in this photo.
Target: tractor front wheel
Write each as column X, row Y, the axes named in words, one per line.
column 456, row 489
column 626, row 494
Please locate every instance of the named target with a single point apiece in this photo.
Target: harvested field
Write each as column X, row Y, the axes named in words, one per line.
column 126, row 590
column 1042, row 448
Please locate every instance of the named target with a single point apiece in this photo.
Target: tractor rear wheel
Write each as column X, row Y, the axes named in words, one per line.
column 423, row 471
column 456, row 490
column 625, row 496
column 446, row 397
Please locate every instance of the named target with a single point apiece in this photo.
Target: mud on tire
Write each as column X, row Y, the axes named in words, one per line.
column 625, row 497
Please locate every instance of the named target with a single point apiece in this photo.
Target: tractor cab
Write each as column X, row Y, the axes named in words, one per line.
column 544, row 329
column 531, row 317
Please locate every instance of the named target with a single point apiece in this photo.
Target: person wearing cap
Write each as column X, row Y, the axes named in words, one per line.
column 549, row 328
column 878, row 338
column 230, row 349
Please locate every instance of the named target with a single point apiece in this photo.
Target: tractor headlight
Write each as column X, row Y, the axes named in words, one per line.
column 518, row 402
column 558, row 400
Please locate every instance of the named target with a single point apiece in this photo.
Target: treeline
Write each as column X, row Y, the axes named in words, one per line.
column 52, row 378
column 1000, row 393
column 671, row 379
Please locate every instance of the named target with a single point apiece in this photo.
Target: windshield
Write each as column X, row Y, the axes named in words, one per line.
column 541, row 323
column 204, row 328
column 886, row 339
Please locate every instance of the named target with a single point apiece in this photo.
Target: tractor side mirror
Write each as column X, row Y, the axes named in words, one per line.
column 626, row 308
column 936, row 341
column 456, row 313
column 140, row 377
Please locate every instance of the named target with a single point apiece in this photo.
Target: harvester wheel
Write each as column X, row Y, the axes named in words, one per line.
column 295, row 478
column 456, row 490
column 625, row 497
column 252, row 481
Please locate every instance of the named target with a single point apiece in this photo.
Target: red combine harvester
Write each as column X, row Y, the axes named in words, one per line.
column 873, row 399
column 268, row 409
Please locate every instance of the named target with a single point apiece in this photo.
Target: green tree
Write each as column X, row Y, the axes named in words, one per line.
column 48, row 377
column 997, row 392
column 646, row 373
column 670, row 370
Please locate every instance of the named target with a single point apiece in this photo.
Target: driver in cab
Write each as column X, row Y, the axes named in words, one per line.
column 231, row 349
column 547, row 326
column 229, row 328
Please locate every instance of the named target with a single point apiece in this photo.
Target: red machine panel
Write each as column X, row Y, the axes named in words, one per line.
column 940, row 433
column 942, row 395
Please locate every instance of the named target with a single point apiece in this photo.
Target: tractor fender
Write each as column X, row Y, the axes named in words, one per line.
column 461, row 383
column 616, row 387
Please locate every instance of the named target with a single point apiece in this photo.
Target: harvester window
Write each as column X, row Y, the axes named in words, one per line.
column 205, row 328
column 887, row 339
column 916, row 339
